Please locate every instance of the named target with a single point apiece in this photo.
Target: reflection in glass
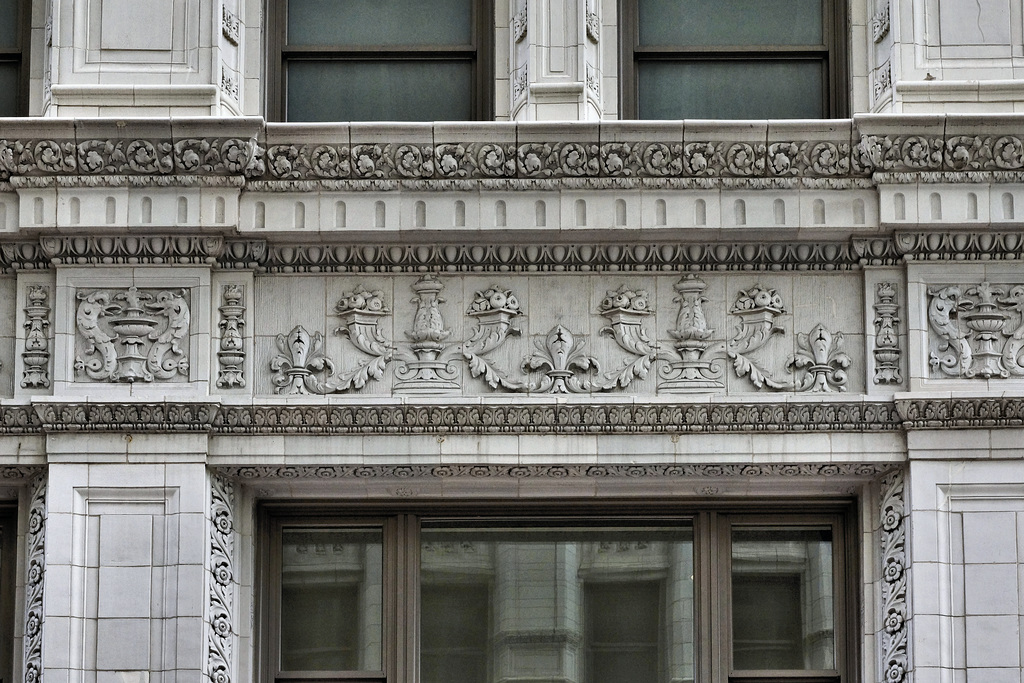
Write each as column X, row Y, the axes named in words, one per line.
column 721, row 89
column 401, row 90
column 370, row 23
column 576, row 605
column 782, row 599
column 331, row 600
column 729, row 22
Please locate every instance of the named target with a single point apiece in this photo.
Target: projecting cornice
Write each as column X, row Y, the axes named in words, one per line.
column 518, row 418
column 267, row 156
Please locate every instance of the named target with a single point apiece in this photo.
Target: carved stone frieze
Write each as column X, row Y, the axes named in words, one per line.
column 35, row 564
column 133, row 335
column 231, row 354
column 221, row 632
column 688, row 368
column 132, row 249
column 252, row 473
column 123, row 417
column 976, row 331
column 564, row 366
column 360, row 312
column 958, row 413
column 900, row 153
column 758, row 309
column 895, row 606
column 953, row 245
column 887, row 349
column 36, row 356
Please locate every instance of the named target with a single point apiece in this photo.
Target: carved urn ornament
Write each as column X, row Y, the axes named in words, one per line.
column 150, row 327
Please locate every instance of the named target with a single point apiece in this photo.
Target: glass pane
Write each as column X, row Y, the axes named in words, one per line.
column 331, row 600
column 779, row 89
column 9, row 23
column 729, row 22
column 782, row 602
column 379, row 22
column 379, row 91
column 575, row 605
column 9, row 89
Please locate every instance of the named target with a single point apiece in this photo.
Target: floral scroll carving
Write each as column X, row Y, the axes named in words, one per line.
column 36, row 356
column 35, row 562
column 497, row 313
column 976, row 331
column 151, row 327
column 895, row 609
column 221, row 630
column 626, row 310
column 758, row 309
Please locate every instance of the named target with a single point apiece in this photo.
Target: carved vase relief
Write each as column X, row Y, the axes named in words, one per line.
column 976, row 331
column 132, row 335
column 561, row 359
column 37, row 340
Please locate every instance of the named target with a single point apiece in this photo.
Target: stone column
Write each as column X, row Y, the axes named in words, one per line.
column 556, row 65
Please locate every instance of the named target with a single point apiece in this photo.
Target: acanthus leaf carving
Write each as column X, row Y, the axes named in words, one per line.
column 360, row 312
column 497, row 312
column 625, row 310
column 895, row 607
column 36, row 356
column 221, row 629
column 565, row 366
column 758, row 308
column 35, row 563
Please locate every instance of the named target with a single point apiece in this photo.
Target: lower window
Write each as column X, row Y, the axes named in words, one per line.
column 622, row 599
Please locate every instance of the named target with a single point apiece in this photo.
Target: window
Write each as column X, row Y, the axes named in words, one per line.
column 733, row 59
column 8, row 574
column 382, row 60
column 609, row 596
column 13, row 45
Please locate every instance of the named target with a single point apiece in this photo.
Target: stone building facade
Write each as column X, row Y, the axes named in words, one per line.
column 557, row 396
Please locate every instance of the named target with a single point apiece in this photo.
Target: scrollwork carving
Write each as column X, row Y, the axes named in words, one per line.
column 36, row 356
column 895, row 608
column 152, row 326
column 758, row 309
column 35, row 563
column 497, row 312
column 360, row 312
column 625, row 310
column 220, row 628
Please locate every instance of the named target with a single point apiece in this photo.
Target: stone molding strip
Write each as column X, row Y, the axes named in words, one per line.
column 248, row 473
column 251, row 148
column 539, row 418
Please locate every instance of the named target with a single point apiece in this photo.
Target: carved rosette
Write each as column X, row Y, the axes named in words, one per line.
column 976, row 331
column 232, row 347
column 497, row 312
column 688, row 370
column 895, row 607
column 35, row 562
column 152, row 326
column 36, row 357
column 220, row 624
column 625, row 310
column 887, row 350
column 429, row 368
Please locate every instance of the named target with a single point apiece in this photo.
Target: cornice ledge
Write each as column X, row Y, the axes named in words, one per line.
column 960, row 412
column 125, row 417
column 18, row 419
column 957, row 245
column 548, row 418
column 632, row 472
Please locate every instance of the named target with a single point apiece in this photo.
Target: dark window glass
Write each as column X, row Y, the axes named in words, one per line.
column 368, row 23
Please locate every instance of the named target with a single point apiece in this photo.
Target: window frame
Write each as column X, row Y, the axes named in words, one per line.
column 480, row 52
column 711, row 525
column 834, row 49
column 18, row 55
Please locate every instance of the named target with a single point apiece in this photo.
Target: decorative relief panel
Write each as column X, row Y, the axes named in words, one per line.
column 36, row 357
column 563, row 357
column 231, row 354
column 132, row 335
column 220, row 619
column 895, row 608
column 976, row 331
column 887, row 349
column 36, row 567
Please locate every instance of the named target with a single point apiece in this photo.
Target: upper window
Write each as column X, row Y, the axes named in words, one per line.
column 383, row 60
column 13, row 43
column 733, row 59
column 578, row 598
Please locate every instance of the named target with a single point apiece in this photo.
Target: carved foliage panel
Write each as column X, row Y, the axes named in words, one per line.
column 577, row 334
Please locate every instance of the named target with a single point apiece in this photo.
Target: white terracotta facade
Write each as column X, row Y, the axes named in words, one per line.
column 203, row 313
